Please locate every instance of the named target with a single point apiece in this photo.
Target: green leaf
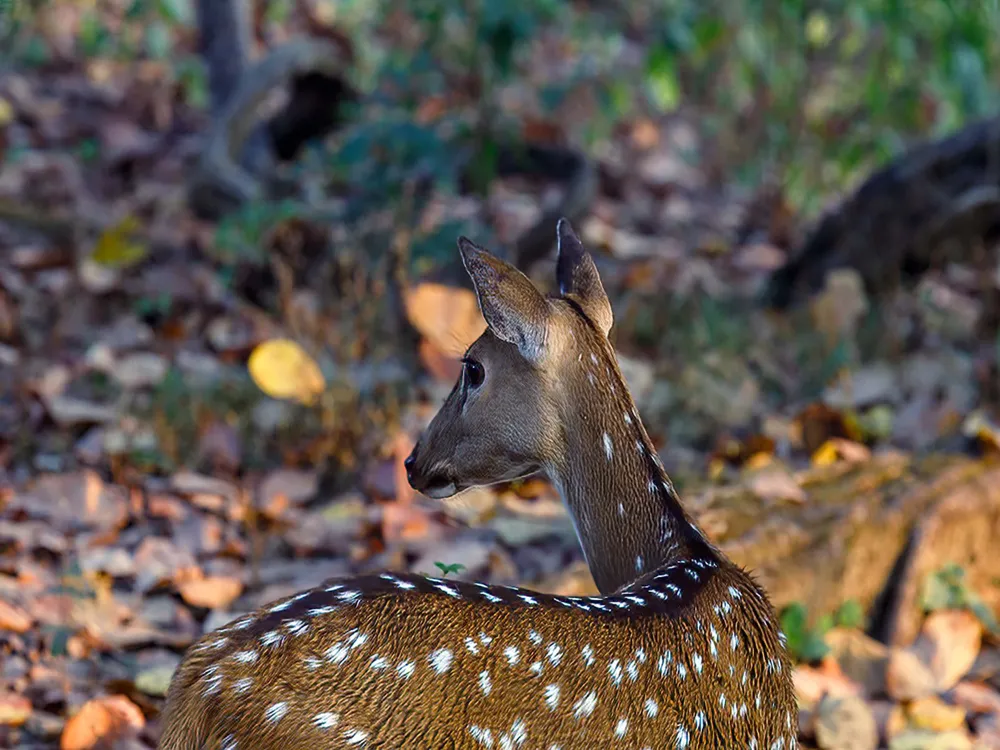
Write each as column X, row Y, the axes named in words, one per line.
column 447, row 569
column 661, row 79
column 813, row 647
column 793, row 621
column 176, row 11
column 850, row 614
column 158, row 40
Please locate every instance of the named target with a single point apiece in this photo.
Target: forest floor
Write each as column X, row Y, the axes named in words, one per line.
column 151, row 489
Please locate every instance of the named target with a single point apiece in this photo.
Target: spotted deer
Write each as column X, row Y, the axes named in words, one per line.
column 681, row 650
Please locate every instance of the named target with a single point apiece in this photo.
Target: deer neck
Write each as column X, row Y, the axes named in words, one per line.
column 625, row 510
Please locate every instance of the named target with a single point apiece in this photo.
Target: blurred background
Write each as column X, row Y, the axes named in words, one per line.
column 230, row 299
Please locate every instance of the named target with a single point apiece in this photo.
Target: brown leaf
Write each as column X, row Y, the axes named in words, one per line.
column 837, row 310
column 943, row 653
column 212, row 592
column 13, row 618
column 441, row 366
column 934, row 714
column 976, row 698
column 286, row 487
column 812, row 683
column 951, row 641
column 14, row 710
column 447, row 316
column 862, row 659
column 159, row 560
column 907, row 676
column 102, row 720
column 74, row 500
column 845, row 723
column 221, row 445
column 776, row 485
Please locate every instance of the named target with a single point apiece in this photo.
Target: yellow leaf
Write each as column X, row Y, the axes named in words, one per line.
column 282, row 369
column 758, row 460
column 818, row 29
column 6, row 112
column 715, row 468
column 116, row 247
column 826, row 454
column 154, row 681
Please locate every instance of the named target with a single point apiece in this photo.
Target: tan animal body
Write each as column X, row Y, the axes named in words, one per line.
column 681, row 651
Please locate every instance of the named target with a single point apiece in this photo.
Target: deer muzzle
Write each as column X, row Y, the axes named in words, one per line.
column 436, row 481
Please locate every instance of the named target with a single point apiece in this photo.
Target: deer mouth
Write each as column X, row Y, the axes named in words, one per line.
column 439, row 490
column 437, row 483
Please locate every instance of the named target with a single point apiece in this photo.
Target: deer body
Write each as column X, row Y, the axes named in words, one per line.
column 681, row 651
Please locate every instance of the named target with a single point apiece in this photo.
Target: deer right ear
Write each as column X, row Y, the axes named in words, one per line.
column 514, row 310
column 577, row 276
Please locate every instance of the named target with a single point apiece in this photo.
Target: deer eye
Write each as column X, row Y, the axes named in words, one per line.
column 474, row 373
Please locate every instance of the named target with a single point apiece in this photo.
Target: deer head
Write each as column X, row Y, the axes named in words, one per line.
column 503, row 419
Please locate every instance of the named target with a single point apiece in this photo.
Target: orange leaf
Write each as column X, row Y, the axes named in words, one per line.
column 446, row 316
column 14, row 710
column 211, row 592
column 101, row 720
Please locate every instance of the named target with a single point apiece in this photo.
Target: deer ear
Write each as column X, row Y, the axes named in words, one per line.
column 515, row 311
column 578, row 278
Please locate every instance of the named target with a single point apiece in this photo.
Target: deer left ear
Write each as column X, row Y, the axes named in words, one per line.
column 578, row 278
column 514, row 310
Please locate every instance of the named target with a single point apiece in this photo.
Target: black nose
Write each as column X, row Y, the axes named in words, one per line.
column 408, row 465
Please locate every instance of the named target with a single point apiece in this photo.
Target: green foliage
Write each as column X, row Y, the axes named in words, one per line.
column 807, row 642
column 450, row 568
column 820, row 95
column 238, row 237
column 948, row 589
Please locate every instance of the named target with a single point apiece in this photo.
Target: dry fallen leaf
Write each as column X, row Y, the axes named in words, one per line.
column 13, row 618
column 812, row 683
column 776, row 485
column 14, row 710
column 934, row 714
column 446, row 316
column 943, row 653
column 101, row 720
column 212, row 592
column 845, row 723
column 838, row 309
column 952, row 639
column 283, row 369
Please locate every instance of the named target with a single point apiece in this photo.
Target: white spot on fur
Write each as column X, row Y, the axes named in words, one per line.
column 513, row 655
column 683, row 738
column 585, row 706
column 552, row 696
column 555, row 654
column 274, row 712
column 326, row 720
column 441, row 660
column 608, row 447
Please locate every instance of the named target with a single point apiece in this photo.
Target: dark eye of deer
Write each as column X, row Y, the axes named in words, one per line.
column 474, row 373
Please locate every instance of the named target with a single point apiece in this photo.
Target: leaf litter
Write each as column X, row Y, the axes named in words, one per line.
column 173, row 453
